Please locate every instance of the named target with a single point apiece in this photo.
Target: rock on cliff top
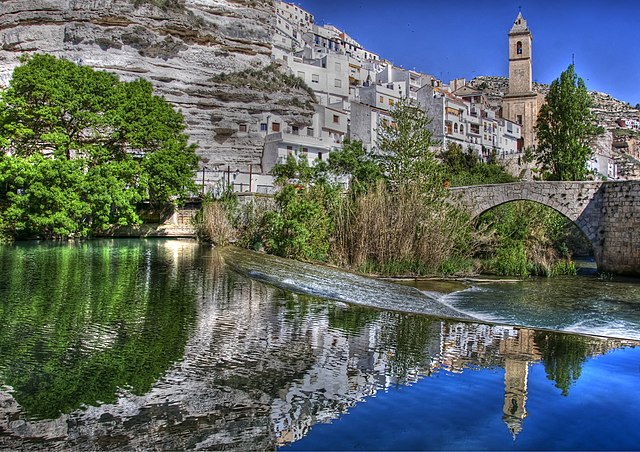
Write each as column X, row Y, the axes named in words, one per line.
column 606, row 107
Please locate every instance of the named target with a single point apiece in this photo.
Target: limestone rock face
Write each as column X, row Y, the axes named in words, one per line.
column 177, row 45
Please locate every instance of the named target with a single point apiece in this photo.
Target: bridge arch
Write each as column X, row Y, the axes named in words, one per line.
column 580, row 202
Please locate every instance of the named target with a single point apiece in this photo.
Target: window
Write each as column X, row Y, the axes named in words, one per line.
column 382, row 99
column 461, row 128
column 243, row 127
column 309, row 131
column 455, row 127
column 391, row 102
column 338, row 83
column 301, row 75
column 448, row 128
column 315, row 78
column 336, row 119
column 519, row 120
column 338, row 67
column 263, row 127
column 275, row 127
column 320, row 156
column 295, row 130
column 519, row 48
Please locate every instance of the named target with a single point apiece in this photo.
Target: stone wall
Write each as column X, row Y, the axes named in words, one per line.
column 620, row 227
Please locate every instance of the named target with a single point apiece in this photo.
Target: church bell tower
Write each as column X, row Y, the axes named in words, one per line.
column 520, row 57
column 521, row 104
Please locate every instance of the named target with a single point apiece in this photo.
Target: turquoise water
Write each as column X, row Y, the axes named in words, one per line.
column 161, row 344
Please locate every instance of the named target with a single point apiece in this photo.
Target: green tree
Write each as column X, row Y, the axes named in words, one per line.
column 407, row 149
column 565, row 129
column 355, row 162
column 465, row 168
column 80, row 149
column 302, row 223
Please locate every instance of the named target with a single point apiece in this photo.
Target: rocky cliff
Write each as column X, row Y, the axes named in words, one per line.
column 180, row 46
column 606, row 108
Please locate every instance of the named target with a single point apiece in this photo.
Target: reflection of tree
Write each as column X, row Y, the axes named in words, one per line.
column 407, row 338
column 563, row 356
column 351, row 319
column 81, row 321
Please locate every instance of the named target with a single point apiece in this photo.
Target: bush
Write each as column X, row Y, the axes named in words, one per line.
column 213, row 224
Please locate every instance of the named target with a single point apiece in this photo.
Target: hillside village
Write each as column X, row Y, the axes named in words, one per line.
column 259, row 80
column 356, row 89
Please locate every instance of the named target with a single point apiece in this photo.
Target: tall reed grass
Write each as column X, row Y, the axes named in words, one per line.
column 401, row 231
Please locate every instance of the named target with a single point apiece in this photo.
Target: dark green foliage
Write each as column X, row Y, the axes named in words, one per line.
column 565, row 129
column 355, row 162
column 302, row 223
column 408, row 150
column 81, row 149
column 526, row 238
column 465, row 168
column 82, row 322
column 563, row 356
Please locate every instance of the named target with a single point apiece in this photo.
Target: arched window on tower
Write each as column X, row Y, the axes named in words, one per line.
column 519, row 48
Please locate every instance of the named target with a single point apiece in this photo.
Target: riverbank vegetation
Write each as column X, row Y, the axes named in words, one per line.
column 80, row 151
column 395, row 217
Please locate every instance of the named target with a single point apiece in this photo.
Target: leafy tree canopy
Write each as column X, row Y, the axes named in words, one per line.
column 80, row 149
column 407, row 149
column 465, row 168
column 565, row 129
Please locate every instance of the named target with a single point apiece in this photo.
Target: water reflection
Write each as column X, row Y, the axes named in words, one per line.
column 188, row 354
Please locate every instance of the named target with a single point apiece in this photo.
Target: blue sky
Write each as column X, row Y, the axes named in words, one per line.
column 469, row 38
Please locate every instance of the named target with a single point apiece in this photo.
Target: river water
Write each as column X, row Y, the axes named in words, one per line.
column 167, row 344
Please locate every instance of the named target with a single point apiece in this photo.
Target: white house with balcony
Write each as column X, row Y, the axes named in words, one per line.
column 297, row 16
column 412, row 81
column 448, row 115
column 509, row 135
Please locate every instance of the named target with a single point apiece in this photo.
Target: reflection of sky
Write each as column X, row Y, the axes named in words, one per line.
column 464, row 411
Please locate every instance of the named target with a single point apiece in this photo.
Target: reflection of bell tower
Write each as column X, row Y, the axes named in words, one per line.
column 515, row 394
column 519, row 350
column 521, row 104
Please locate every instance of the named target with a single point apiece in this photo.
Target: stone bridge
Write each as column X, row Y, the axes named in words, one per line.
column 608, row 213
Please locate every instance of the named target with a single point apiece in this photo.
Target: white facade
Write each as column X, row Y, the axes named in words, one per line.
column 295, row 15
column 328, row 77
column 365, row 122
column 383, row 97
column 508, row 135
column 412, row 81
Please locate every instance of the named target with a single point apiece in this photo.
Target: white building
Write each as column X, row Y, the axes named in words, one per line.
column 365, row 121
column 328, row 76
